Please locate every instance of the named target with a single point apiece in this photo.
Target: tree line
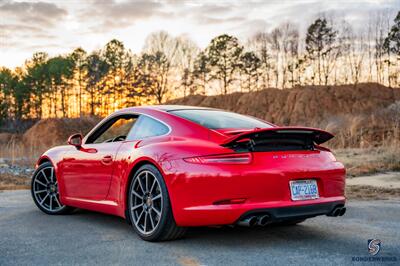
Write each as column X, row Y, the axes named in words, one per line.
column 97, row 83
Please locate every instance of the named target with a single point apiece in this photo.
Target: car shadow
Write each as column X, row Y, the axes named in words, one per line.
column 223, row 235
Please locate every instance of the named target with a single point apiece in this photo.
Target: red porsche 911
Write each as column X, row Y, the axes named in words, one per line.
column 166, row 168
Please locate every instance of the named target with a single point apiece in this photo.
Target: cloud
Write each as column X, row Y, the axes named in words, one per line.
column 15, row 28
column 248, row 28
column 111, row 14
column 213, row 9
column 27, row 25
column 12, row 34
column 32, row 21
column 37, row 13
column 205, row 19
column 25, row 32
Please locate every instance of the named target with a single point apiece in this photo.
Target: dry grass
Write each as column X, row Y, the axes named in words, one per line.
column 20, row 154
column 371, row 193
column 369, row 161
column 12, row 182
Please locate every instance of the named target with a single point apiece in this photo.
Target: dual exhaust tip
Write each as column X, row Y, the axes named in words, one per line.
column 254, row 220
column 264, row 219
column 338, row 211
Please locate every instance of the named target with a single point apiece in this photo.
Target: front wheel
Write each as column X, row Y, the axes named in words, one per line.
column 44, row 189
column 149, row 206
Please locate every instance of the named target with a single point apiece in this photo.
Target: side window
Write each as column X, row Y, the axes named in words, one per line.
column 147, row 127
column 116, row 129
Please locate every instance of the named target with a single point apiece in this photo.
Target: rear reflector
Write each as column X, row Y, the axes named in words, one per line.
column 231, row 158
column 229, row 201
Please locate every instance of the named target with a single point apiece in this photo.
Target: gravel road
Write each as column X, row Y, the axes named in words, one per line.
column 29, row 237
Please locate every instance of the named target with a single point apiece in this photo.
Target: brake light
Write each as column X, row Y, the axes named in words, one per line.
column 231, row 158
column 331, row 156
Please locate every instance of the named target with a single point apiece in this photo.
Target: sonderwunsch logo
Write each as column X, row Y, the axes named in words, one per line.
column 374, row 246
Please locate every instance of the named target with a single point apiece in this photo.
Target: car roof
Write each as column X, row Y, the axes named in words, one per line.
column 162, row 108
column 169, row 108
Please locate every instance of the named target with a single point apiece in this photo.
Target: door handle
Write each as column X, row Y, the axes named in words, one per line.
column 107, row 159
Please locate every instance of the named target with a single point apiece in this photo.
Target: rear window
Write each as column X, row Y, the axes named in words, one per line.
column 147, row 127
column 215, row 119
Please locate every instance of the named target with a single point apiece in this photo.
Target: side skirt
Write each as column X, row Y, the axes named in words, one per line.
column 104, row 206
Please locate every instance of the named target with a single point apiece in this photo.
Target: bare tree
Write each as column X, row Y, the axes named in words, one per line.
column 322, row 46
column 392, row 44
column 290, row 46
column 260, row 43
column 354, row 48
column 164, row 48
column 276, row 46
column 186, row 54
column 370, row 49
column 379, row 39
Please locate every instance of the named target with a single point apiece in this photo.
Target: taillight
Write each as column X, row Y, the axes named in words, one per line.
column 231, row 158
column 331, row 157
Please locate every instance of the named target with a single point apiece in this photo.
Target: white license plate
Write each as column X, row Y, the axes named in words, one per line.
column 304, row 189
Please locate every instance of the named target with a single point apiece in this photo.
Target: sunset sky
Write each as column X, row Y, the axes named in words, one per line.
column 57, row 27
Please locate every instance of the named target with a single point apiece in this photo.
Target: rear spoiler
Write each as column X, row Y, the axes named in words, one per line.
column 317, row 135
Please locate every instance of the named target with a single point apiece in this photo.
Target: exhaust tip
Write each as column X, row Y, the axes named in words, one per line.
column 336, row 212
column 249, row 221
column 253, row 221
column 263, row 220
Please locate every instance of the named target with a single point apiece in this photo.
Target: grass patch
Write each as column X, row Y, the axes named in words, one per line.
column 371, row 193
column 369, row 161
column 13, row 182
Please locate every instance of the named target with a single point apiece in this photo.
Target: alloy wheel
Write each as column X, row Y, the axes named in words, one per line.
column 146, row 202
column 45, row 190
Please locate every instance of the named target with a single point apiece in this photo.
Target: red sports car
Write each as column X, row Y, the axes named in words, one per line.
column 166, row 168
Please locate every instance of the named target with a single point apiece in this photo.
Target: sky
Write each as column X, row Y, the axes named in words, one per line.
column 59, row 26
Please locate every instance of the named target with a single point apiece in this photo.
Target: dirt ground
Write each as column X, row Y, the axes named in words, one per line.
column 369, row 161
column 383, row 180
column 371, row 193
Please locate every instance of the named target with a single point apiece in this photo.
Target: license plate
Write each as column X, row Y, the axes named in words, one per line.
column 304, row 189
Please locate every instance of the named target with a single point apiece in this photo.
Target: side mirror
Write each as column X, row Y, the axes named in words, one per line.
column 75, row 140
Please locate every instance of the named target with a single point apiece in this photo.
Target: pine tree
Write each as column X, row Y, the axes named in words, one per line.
column 224, row 53
column 321, row 46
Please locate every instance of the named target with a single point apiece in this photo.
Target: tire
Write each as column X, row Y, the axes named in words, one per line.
column 148, row 196
column 44, row 190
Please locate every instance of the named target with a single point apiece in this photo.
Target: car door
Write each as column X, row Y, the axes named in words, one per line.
column 87, row 171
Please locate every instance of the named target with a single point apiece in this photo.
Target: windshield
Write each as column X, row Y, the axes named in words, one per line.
column 215, row 119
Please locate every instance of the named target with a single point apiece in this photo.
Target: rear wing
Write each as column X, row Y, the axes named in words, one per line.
column 311, row 135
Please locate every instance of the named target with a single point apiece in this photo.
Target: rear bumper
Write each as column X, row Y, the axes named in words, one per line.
column 296, row 212
column 232, row 213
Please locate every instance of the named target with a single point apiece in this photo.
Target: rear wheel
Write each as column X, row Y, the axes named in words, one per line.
column 44, row 189
column 149, row 207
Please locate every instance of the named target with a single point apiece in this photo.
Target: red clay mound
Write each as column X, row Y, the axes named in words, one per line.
column 50, row 132
column 6, row 138
column 361, row 115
